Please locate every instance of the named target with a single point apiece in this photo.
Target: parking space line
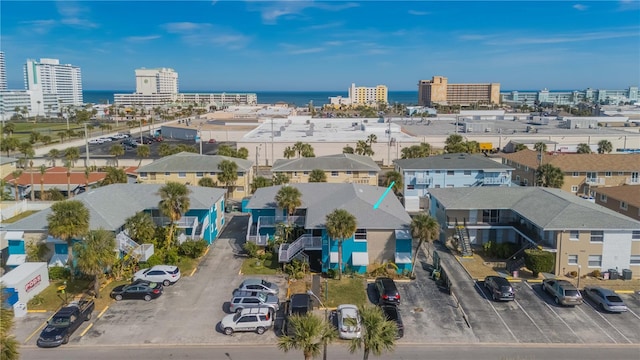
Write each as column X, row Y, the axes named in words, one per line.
column 553, row 311
column 86, row 330
column 632, row 312
column 102, row 312
column 607, row 321
column 38, row 329
column 530, row 318
column 496, row 311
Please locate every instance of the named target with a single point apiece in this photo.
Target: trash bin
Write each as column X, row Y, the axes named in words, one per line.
column 627, row 274
column 613, row 274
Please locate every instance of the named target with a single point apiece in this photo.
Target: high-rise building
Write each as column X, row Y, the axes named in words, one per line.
column 3, row 73
column 156, row 81
column 439, row 91
column 361, row 95
column 48, row 76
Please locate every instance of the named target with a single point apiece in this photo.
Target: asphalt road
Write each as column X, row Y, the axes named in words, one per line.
column 271, row 352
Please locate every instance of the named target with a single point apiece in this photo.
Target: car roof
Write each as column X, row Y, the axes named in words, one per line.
column 164, row 267
column 348, row 310
column 299, row 300
column 255, row 310
column 252, row 281
column 499, row 280
column 244, row 293
column 391, row 311
column 604, row 291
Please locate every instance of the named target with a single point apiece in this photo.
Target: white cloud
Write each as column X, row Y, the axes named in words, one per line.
column 74, row 15
column 181, row 27
column 628, row 5
column 580, row 7
column 418, row 12
column 324, row 26
column 271, row 11
column 142, row 38
column 40, row 26
column 564, row 38
column 198, row 34
column 306, row 51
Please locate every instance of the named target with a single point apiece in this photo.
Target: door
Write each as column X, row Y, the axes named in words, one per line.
column 635, row 177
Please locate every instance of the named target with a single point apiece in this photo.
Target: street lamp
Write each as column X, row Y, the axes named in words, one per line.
column 326, row 318
column 579, row 268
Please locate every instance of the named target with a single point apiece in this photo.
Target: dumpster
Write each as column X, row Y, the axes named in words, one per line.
column 613, row 274
column 627, row 274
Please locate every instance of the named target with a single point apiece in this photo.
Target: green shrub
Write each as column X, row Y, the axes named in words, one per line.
column 539, row 261
column 332, row 273
column 573, row 273
column 59, row 273
column 171, row 256
column 155, row 259
column 251, row 249
column 192, row 249
column 596, row 273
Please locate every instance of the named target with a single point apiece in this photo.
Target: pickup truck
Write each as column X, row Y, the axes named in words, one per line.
column 298, row 304
column 67, row 320
column 562, row 291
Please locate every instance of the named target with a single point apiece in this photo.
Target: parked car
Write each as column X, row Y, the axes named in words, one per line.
column 387, row 291
column 138, row 290
column 606, row 299
column 393, row 314
column 298, row 304
column 212, row 141
column 562, row 291
column 64, row 322
column 259, row 285
column 106, row 139
column 96, row 141
column 252, row 299
column 500, row 288
column 165, row 274
column 254, row 319
column 349, row 322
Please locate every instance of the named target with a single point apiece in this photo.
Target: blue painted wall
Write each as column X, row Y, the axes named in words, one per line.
column 422, row 180
column 349, row 246
column 256, row 213
column 16, row 247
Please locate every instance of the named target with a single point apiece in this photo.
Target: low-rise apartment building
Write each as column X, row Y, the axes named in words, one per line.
column 420, row 175
column 580, row 233
column 582, row 172
column 339, row 168
column 189, row 168
column 623, row 199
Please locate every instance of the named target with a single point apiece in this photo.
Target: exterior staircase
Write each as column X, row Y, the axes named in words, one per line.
column 132, row 249
column 464, row 239
column 288, row 252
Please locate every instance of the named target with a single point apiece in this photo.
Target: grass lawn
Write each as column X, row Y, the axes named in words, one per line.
column 186, row 265
column 20, row 216
column 253, row 266
column 52, row 300
column 346, row 291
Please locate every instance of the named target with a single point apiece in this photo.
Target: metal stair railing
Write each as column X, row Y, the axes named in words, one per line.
column 304, row 242
column 463, row 235
column 131, row 248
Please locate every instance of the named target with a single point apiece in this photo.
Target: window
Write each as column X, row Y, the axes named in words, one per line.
column 305, row 173
column 167, row 173
column 620, row 173
column 526, row 168
column 349, row 172
column 572, row 259
column 411, row 187
column 437, row 186
column 411, row 173
column 595, row 260
column 603, row 198
column 240, row 174
column 623, row 205
column 182, row 174
column 574, row 235
column 517, row 177
column 635, row 260
column 525, row 182
column 199, row 174
column 438, row 171
column 334, row 173
column 574, row 188
column 240, row 188
column 607, row 173
column 597, row 236
column 360, row 235
column 467, row 173
column 450, row 185
column 490, row 216
column 575, row 174
column 372, row 173
column 450, row 172
column 143, row 174
column 635, row 235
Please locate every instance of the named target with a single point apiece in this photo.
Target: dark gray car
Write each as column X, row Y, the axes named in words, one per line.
column 500, row 288
column 605, row 299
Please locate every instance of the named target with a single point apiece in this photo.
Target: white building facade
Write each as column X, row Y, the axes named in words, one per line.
column 50, row 77
column 156, row 81
column 3, row 73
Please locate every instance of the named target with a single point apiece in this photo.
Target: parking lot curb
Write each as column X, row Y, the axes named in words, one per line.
column 514, row 280
column 624, row 291
column 36, row 311
column 534, row 281
column 102, row 312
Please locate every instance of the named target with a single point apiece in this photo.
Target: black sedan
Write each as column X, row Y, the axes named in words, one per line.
column 392, row 313
column 138, row 290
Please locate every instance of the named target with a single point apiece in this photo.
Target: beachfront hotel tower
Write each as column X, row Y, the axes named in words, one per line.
column 49, row 77
column 3, row 73
column 362, row 95
column 156, row 81
column 438, row 90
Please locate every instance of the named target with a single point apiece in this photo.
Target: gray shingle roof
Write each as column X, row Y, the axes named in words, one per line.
column 190, row 162
column 459, row 161
column 550, row 209
column 320, row 199
column 345, row 162
column 7, row 160
column 109, row 206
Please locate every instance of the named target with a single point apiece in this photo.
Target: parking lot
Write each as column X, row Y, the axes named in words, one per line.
column 130, row 152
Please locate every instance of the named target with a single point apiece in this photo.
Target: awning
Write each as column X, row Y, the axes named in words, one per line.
column 16, row 259
column 359, row 258
column 58, row 260
column 334, row 257
column 403, row 258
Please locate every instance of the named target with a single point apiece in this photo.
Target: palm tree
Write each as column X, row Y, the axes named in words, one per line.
column 68, row 220
column 173, row 204
column 378, row 335
column 72, row 154
column 16, row 175
column 207, row 182
column 298, row 148
column 317, row 175
column 142, row 152
column 140, row 227
column 310, row 334
column 117, row 150
column 228, row 175
column 425, row 228
column 348, row 150
column 372, row 139
column 604, row 146
column 455, row 144
column 340, row 225
column 396, row 178
column 548, row 175
column 95, row 255
column 87, row 175
column 289, row 152
column 288, row 198
column 260, row 182
column 583, row 149
column 43, row 170
column 280, row 178
column 114, row 176
column 540, row 147
column 307, row 151
column 9, row 144
column 8, row 344
column 520, row 147
column 53, row 154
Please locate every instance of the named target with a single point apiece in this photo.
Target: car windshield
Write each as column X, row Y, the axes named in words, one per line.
column 262, row 297
column 59, row 322
column 236, row 316
column 175, row 271
column 571, row 293
column 505, row 288
column 614, row 299
column 266, row 283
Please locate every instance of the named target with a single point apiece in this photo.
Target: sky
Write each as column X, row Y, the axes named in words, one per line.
column 327, row 45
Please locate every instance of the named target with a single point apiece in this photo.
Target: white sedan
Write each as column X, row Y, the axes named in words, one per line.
column 349, row 323
column 96, row 141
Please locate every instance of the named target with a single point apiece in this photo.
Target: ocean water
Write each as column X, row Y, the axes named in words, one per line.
column 299, row 98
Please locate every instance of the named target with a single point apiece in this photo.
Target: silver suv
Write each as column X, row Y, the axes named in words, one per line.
column 252, row 299
column 562, row 291
column 254, row 319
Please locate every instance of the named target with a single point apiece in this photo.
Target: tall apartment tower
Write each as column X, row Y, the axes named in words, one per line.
column 439, row 91
column 156, row 81
column 368, row 95
column 49, row 77
column 3, row 73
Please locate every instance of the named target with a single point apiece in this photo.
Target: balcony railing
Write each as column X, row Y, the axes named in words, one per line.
column 423, row 180
column 493, row 180
column 183, row 222
column 304, row 242
column 260, row 240
column 595, row 181
column 632, row 180
column 272, row 221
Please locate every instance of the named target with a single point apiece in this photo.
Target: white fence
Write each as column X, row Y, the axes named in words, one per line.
column 11, row 209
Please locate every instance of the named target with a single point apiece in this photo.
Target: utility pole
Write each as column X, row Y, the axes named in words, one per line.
column 389, row 144
column 272, row 159
column 86, row 144
column 257, row 155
